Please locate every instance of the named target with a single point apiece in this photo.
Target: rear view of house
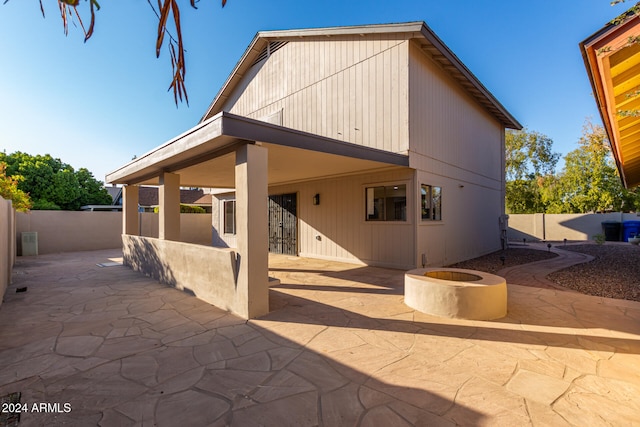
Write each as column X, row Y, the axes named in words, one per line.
column 372, row 145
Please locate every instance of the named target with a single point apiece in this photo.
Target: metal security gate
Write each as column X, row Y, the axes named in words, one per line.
column 283, row 224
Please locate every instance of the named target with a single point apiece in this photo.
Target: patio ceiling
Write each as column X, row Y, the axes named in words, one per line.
column 613, row 65
column 204, row 156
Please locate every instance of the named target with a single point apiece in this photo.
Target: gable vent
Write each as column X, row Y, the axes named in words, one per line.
column 268, row 50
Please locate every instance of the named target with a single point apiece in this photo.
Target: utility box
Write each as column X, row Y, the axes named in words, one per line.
column 29, row 243
column 611, row 230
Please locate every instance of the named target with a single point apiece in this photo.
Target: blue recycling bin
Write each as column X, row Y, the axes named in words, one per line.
column 630, row 229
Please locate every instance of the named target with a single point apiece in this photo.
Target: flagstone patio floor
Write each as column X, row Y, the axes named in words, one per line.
column 107, row 346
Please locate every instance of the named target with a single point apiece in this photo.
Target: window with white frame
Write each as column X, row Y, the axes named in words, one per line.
column 431, row 202
column 386, row 203
column 229, row 208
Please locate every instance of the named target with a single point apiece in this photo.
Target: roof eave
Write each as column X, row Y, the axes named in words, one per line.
column 505, row 117
column 587, row 49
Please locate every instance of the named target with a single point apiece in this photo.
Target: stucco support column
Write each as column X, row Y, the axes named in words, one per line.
column 130, row 217
column 169, row 200
column 252, row 290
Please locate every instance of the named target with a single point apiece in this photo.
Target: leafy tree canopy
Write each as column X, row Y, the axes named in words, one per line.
column 529, row 154
column 52, row 184
column 9, row 191
column 589, row 181
column 529, row 159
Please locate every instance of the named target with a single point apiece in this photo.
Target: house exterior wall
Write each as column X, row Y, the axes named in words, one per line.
column 339, row 220
column 350, row 88
column 456, row 145
column 384, row 92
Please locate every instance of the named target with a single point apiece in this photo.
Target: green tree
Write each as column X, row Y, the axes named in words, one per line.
column 92, row 192
column 589, row 181
column 53, row 184
column 529, row 159
column 9, row 191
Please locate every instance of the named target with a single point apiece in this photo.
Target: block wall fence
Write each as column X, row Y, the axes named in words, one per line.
column 557, row 227
column 64, row 231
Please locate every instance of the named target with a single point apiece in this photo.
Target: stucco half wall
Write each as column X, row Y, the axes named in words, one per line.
column 7, row 244
column 208, row 273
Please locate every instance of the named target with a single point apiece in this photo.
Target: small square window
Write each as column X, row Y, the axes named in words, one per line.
column 431, row 203
column 230, row 217
column 386, row 203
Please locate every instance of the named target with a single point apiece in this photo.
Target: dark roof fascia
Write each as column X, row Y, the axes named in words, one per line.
column 244, row 128
column 230, row 131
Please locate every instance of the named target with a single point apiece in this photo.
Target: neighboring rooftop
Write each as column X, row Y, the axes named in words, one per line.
column 612, row 59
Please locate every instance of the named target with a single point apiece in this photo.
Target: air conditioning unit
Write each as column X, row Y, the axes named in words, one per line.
column 29, row 243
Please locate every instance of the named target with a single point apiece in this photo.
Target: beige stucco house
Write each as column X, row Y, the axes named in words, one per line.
column 371, row 145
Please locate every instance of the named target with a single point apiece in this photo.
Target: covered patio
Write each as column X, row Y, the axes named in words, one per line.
column 338, row 348
column 229, row 151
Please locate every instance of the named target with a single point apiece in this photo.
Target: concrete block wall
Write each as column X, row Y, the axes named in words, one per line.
column 557, row 227
column 65, row 231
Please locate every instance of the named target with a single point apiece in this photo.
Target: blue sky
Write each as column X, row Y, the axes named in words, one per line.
column 97, row 104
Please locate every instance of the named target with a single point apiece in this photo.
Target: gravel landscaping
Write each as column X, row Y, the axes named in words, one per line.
column 614, row 272
column 512, row 256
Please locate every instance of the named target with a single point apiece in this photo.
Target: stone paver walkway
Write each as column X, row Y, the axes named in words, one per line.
column 535, row 273
column 339, row 348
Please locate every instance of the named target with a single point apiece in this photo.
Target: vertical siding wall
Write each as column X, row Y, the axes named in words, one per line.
column 352, row 89
column 454, row 143
column 339, row 221
column 7, row 244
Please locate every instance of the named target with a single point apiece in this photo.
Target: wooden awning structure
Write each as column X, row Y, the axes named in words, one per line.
column 612, row 59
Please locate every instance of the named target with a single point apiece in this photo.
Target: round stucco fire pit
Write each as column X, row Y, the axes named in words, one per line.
column 456, row 292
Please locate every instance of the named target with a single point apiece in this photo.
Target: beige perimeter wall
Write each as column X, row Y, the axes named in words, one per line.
column 65, row 231
column 7, row 244
column 557, row 227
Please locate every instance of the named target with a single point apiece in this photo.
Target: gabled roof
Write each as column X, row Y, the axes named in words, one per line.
column 613, row 66
column 419, row 31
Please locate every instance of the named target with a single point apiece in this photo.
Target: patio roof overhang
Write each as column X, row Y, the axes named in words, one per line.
column 204, row 156
column 613, row 66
